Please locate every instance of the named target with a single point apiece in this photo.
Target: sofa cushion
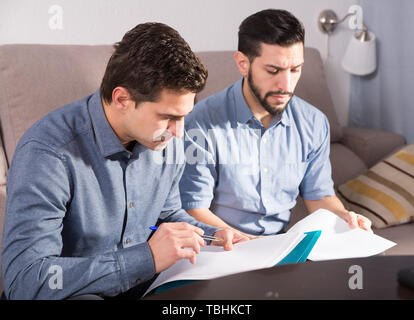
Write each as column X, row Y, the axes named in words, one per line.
column 385, row 192
column 312, row 86
column 371, row 145
column 35, row 79
column 345, row 164
column 222, row 71
column 402, row 235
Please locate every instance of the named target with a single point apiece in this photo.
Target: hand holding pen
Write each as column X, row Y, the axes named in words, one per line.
column 169, row 241
column 211, row 238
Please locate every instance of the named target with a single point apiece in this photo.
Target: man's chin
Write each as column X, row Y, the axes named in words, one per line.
column 275, row 110
column 159, row 146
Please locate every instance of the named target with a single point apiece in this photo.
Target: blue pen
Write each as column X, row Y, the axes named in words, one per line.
column 204, row 237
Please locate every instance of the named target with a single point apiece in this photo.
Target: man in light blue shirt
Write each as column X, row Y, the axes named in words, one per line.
column 89, row 179
column 254, row 147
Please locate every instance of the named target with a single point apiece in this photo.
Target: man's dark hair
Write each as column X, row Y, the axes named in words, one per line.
column 152, row 57
column 269, row 26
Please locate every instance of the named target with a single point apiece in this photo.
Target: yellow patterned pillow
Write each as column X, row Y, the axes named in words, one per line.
column 385, row 192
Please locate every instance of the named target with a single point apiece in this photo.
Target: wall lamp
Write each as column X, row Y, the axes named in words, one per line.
column 360, row 55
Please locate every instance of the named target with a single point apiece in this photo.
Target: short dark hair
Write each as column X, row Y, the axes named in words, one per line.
column 149, row 58
column 269, row 26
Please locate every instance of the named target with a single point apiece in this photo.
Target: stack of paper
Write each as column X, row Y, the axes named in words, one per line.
column 213, row 262
column 338, row 240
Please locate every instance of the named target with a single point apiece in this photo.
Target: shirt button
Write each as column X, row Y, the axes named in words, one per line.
column 131, row 204
column 128, row 240
column 264, row 140
column 138, row 281
column 265, row 170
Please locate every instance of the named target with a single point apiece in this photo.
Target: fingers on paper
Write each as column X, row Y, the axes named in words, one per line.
column 364, row 223
column 352, row 220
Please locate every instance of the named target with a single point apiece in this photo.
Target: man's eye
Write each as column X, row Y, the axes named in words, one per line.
column 272, row 72
column 295, row 70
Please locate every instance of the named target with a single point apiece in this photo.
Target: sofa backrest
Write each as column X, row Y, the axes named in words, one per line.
column 35, row 79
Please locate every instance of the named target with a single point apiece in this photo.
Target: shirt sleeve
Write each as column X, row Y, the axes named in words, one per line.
column 173, row 212
column 317, row 182
column 200, row 174
column 38, row 194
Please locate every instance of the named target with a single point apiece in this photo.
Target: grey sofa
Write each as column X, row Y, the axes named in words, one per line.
column 35, row 79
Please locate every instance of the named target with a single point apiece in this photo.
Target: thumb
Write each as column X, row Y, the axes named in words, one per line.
column 228, row 240
column 352, row 220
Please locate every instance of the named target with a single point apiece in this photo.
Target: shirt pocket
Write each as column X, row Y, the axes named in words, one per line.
column 288, row 180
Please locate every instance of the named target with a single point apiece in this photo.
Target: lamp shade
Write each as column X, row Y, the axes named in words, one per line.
column 360, row 56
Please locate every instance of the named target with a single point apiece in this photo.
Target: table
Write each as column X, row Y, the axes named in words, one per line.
column 371, row 278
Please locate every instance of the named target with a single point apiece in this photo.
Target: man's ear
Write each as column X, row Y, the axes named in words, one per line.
column 242, row 62
column 121, row 99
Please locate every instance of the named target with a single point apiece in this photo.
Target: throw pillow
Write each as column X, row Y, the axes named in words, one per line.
column 385, row 192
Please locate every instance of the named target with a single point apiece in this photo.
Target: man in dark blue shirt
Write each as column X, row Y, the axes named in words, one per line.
column 89, row 179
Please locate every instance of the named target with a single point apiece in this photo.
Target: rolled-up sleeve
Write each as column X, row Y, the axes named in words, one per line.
column 173, row 211
column 317, row 182
column 199, row 178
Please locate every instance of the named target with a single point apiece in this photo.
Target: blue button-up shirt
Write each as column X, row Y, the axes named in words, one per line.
column 79, row 206
column 248, row 176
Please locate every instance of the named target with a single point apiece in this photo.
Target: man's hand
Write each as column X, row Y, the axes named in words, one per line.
column 168, row 244
column 229, row 238
column 333, row 204
column 356, row 220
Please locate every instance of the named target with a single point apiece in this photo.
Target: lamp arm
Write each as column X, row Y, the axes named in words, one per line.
column 328, row 20
column 344, row 18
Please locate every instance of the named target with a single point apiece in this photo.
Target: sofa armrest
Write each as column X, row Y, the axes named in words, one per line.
column 3, row 165
column 371, row 145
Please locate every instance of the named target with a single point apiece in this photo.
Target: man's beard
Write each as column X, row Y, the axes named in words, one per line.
column 273, row 110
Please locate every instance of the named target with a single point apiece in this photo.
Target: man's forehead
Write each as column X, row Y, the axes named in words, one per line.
column 272, row 54
column 175, row 104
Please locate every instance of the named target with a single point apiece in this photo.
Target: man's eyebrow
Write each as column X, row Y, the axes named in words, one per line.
column 174, row 116
column 280, row 68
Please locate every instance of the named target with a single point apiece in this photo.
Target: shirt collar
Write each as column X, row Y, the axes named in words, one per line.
column 106, row 138
column 243, row 112
column 285, row 119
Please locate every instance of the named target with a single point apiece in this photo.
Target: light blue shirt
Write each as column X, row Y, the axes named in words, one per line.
column 250, row 176
column 79, row 207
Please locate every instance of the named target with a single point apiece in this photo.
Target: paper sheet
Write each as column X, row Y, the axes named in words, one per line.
column 213, row 262
column 338, row 240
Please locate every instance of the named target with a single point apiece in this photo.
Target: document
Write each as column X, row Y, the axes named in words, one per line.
column 213, row 262
column 338, row 240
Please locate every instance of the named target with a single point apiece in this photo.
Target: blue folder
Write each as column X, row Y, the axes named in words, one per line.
column 301, row 252
column 298, row 255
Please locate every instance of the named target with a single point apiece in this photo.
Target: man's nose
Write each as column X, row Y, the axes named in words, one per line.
column 177, row 128
column 284, row 81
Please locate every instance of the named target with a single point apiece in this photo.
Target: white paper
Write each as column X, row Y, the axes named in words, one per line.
column 338, row 240
column 213, row 262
